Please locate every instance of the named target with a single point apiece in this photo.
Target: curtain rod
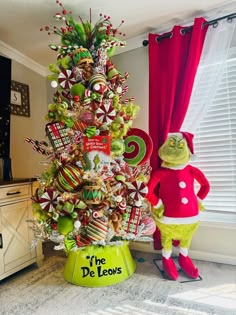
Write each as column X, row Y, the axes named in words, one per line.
column 214, row 23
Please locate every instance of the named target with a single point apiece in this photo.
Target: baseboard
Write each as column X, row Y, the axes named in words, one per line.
column 213, row 257
column 199, row 255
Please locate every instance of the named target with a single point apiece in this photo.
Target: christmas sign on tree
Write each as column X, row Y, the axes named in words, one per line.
column 93, row 190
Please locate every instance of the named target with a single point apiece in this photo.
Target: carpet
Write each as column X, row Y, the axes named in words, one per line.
column 44, row 291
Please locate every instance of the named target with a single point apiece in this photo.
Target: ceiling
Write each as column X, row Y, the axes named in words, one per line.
column 21, row 20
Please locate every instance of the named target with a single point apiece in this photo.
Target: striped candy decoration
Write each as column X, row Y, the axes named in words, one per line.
column 68, row 178
column 97, row 230
column 128, row 100
column 79, row 125
column 137, row 190
column 138, row 147
column 124, row 90
column 82, row 241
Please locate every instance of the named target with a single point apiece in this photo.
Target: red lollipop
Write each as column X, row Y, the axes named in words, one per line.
column 138, row 147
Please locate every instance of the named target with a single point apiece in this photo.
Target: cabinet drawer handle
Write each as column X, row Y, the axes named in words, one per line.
column 1, row 241
column 13, row 193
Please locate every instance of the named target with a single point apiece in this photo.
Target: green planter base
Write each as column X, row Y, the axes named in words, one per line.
column 97, row 266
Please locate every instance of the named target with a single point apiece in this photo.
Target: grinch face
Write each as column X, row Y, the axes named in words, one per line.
column 117, row 147
column 174, row 151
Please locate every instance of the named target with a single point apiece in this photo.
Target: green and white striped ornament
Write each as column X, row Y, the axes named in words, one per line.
column 68, row 178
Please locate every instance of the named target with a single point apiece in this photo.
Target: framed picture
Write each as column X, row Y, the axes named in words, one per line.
column 20, row 104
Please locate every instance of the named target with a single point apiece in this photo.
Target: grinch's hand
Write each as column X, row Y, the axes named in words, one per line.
column 200, row 205
column 158, row 210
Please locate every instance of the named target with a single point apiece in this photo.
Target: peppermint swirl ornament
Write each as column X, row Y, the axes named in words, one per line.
column 137, row 190
column 49, row 200
column 66, row 79
column 106, row 112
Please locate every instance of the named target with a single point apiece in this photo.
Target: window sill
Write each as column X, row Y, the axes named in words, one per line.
column 218, row 220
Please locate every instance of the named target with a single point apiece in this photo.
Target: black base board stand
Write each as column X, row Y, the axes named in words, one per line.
column 182, row 276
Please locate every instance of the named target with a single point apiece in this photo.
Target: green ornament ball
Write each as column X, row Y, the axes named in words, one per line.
column 65, row 225
column 78, row 89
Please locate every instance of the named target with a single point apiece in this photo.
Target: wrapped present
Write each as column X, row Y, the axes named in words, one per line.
column 57, row 135
column 131, row 223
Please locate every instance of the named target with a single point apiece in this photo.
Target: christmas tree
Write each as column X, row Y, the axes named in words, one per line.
column 93, row 189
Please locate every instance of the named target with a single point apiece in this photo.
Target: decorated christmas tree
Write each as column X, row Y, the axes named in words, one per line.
column 93, row 189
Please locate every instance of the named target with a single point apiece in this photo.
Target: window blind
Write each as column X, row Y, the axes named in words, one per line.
column 215, row 136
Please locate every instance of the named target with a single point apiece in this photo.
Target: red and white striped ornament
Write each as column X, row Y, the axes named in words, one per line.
column 137, row 190
column 106, row 112
column 66, row 79
column 128, row 100
column 79, row 125
column 122, row 206
column 49, row 200
column 82, row 241
column 124, row 90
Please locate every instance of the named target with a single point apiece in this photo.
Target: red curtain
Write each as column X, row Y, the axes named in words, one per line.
column 173, row 64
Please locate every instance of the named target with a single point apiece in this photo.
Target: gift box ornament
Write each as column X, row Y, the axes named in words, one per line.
column 131, row 223
column 57, row 135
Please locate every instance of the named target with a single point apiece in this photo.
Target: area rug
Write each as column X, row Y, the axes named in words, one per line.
column 44, row 291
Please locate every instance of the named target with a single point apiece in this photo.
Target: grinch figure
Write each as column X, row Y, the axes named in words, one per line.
column 176, row 208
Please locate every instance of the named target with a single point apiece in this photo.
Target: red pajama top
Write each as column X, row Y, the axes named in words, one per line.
column 177, row 193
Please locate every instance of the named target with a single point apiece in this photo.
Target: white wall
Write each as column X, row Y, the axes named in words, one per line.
column 212, row 241
column 135, row 62
column 25, row 161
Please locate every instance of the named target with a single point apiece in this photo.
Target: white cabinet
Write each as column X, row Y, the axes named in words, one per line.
column 15, row 235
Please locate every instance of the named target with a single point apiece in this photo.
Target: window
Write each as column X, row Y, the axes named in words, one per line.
column 215, row 139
